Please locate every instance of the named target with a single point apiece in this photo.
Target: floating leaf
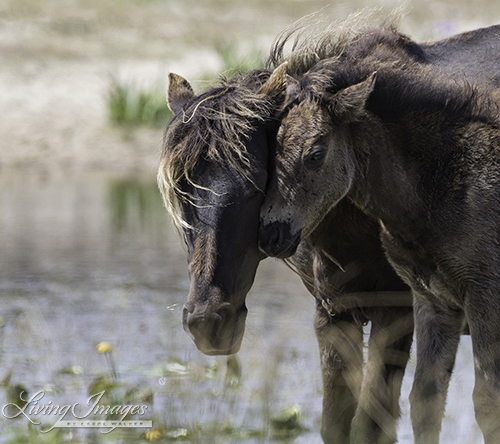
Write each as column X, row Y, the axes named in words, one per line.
column 179, row 433
column 135, row 395
column 287, row 420
column 18, row 395
column 177, row 368
column 103, row 384
column 73, row 370
column 212, row 371
column 157, row 371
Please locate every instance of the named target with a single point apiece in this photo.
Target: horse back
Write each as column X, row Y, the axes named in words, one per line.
column 473, row 55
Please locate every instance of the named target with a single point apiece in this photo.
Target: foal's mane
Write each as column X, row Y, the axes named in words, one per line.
column 311, row 41
column 215, row 124
column 405, row 81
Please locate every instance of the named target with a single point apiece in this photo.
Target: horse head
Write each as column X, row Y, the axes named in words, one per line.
column 213, row 175
column 314, row 165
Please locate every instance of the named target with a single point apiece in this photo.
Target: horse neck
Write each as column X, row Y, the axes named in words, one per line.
column 388, row 174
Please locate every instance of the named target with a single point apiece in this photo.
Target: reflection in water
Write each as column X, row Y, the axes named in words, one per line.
column 91, row 258
column 135, row 204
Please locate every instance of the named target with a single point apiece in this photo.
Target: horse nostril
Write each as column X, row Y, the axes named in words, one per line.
column 276, row 240
column 215, row 330
column 275, row 235
column 185, row 321
column 270, row 235
column 203, row 324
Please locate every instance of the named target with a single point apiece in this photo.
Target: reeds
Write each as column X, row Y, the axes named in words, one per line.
column 131, row 105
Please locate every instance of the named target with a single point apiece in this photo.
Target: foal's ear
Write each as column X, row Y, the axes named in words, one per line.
column 348, row 104
column 292, row 88
column 275, row 87
column 179, row 92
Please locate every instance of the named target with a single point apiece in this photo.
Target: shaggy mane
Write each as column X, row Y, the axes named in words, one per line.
column 404, row 84
column 346, row 53
column 213, row 126
column 312, row 40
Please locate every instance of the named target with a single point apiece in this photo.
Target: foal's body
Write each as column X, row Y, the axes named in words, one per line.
column 221, row 272
column 355, row 246
column 421, row 154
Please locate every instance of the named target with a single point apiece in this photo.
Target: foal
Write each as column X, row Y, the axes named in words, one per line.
column 421, row 154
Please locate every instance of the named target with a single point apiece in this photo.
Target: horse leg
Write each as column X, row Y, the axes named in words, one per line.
column 389, row 346
column 340, row 342
column 438, row 331
column 484, row 324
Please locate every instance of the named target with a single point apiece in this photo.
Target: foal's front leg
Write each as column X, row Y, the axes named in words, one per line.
column 389, row 347
column 438, row 331
column 482, row 312
column 340, row 342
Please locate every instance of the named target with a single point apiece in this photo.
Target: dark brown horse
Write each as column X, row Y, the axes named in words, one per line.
column 420, row 153
column 213, row 171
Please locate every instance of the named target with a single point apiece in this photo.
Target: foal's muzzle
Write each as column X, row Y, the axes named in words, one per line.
column 276, row 240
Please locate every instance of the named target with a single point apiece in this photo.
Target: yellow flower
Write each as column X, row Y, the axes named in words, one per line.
column 104, row 347
column 153, row 435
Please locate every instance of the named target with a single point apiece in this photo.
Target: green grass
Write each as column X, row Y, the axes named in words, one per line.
column 132, row 105
column 234, row 61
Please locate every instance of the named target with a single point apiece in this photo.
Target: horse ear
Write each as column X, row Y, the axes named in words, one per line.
column 292, row 88
column 348, row 104
column 179, row 92
column 276, row 85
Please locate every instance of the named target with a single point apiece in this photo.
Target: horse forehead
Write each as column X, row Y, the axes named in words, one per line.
column 204, row 259
column 313, row 111
column 216, row 187
column 303, row 124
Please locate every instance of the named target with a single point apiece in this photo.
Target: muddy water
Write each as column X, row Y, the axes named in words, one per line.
column 92, row 257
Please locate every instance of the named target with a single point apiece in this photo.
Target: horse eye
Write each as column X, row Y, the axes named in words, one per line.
column 314, row 158
column 255, row 193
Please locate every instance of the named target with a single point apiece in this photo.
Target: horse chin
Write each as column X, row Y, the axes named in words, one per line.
column 287, row 250
column 276, row 241
column 217, row 352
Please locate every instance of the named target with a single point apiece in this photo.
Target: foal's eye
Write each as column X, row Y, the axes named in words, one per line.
column 314, row 158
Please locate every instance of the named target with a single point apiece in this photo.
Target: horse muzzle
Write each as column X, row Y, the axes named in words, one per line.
column 215, row 330
column 276, row 240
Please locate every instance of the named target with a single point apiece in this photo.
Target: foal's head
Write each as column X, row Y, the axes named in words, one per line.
column 345, row 110
column 314, row 164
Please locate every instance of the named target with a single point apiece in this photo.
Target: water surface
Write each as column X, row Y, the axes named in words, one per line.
column 87, row 258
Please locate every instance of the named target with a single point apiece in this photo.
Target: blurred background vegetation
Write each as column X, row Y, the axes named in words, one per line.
column 70, row 67
column 131, row 104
